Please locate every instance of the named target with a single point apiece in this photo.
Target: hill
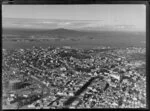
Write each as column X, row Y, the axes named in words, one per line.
column 60, row 32
column 78, row 37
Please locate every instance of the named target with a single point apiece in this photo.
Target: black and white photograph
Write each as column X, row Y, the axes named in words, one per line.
column 89, row 56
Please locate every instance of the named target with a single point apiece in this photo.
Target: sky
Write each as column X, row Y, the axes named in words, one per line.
column 78, row 16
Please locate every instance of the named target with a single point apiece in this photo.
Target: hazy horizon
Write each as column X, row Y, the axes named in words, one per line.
column 87, row 17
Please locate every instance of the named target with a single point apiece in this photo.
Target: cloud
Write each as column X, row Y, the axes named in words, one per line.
column 26, row 25
column 64, row 23
column 91, row 24
column 47, row 22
